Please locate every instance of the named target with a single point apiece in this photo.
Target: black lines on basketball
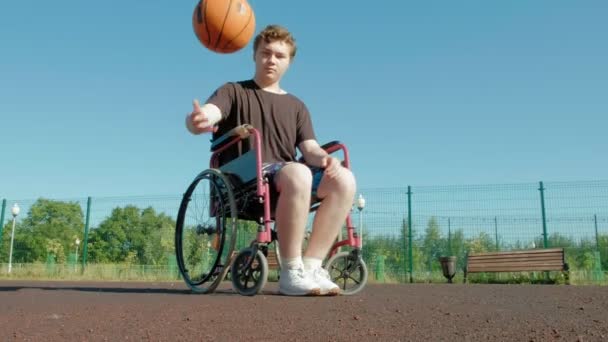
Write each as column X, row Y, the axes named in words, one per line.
column 219, row 36
column 223, row 26
column 240, row 32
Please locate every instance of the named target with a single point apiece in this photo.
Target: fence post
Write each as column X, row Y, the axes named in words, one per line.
column 449, row 237
column 86, row 235
column 597, row 239
column 2, row 219
column 598, row 273
column 496, row 233
column 380, row 268
column 409, row 232
column 542, row 207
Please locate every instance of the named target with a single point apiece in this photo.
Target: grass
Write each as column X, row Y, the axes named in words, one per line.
column 126, row 272
column 93, row 272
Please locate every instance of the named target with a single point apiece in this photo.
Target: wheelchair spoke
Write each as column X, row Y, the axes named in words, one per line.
column 348, row 271
column 249, row 272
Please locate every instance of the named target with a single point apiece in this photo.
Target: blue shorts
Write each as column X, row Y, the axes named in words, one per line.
column 271, row 169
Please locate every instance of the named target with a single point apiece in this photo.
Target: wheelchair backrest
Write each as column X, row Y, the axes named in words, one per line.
column 241, row 167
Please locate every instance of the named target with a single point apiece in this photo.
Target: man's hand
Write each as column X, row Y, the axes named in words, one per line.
column 198, row 122
column 332, row 166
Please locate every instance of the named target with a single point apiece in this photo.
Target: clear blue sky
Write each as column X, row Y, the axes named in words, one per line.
column 93, row 94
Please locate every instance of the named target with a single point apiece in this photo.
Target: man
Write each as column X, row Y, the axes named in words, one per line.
column 284, row 122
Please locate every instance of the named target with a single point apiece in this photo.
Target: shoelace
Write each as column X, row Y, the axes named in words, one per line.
column 300, row 273
column 321, row 272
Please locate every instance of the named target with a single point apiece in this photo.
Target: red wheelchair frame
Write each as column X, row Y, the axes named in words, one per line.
column 247, row 190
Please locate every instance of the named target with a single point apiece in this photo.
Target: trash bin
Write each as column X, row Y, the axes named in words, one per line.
column 448, row 266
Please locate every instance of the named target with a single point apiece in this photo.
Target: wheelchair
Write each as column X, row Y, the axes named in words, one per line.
column 219, row 197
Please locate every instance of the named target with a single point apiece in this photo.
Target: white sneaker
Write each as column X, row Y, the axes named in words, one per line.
column 321, row 277
column 296, row 282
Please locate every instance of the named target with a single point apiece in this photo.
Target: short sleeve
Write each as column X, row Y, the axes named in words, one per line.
column 223, row 98
column 305, row 130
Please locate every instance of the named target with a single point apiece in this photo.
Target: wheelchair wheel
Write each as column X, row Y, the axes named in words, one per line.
column 249, row 272
column 347, row 271
column 205, row 231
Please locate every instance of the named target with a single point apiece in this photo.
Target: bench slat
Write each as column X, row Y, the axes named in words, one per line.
column 506, row 256
column 530, row 251
column 271, row 258
column 516, row 268
column 521, row 263
column 516, row 259
column 273, row 263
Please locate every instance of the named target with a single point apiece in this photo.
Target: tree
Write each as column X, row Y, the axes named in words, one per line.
column 458, row 247
column 48, row 226
column 433, row 244
column 603, row 248
column 482, row 243
column 141, row 236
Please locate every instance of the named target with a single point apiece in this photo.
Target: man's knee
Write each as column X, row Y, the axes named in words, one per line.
column 344, row 184
column 295, row 177
column 347, row 183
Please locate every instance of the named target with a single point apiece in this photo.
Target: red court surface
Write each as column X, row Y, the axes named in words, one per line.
column 86, row 311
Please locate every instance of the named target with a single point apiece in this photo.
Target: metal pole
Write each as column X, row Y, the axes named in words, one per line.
column 2, row 219
column 409, row 232
column 76, row 260
column 449, row 237
column 10, row 255
column 361, row 221
column 542, row 206
column 597, row 239
column 496, row 232
column 86, row 235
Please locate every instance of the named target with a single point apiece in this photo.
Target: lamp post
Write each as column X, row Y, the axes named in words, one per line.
column 76, row 261
column 360, row 206
column 15, row 212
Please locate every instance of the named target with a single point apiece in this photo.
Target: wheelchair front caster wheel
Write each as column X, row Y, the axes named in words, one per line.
column 347, row 271
column 249, row 272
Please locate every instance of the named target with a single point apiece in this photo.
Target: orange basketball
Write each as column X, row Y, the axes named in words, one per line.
column 223, row 26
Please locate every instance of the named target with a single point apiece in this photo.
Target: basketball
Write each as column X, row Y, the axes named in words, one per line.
column 223, row 26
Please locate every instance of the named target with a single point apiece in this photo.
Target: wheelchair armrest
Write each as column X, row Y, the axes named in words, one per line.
column 242, row 131
column 329, row 147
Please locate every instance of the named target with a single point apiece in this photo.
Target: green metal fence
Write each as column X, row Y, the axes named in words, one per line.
column 405, row 229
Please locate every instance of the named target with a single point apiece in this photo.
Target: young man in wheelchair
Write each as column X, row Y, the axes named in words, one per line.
column 285, row 124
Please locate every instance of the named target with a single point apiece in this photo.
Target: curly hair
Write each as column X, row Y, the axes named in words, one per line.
column 272, row 33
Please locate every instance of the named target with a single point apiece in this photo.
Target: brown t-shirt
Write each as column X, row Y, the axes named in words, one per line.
column 282, row 119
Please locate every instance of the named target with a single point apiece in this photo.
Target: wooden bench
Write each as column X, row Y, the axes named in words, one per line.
column 273, row 262
column 550, row 259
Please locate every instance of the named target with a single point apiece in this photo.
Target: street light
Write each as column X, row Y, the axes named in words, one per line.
column 360, row 206
column 76, row 261
column 15, row 212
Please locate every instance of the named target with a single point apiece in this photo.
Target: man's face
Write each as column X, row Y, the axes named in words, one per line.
column 271, row 61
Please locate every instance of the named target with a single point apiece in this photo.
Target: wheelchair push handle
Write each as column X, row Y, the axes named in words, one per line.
column 246, row 130
column 242, row 131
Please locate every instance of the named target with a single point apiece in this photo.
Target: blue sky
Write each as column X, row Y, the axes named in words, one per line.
column 93, row 95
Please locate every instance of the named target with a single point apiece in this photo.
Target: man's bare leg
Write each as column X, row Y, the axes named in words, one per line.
column 337, row 195
column 293, row 182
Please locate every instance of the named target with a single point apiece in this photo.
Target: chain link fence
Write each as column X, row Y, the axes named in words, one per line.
column 405, row 230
